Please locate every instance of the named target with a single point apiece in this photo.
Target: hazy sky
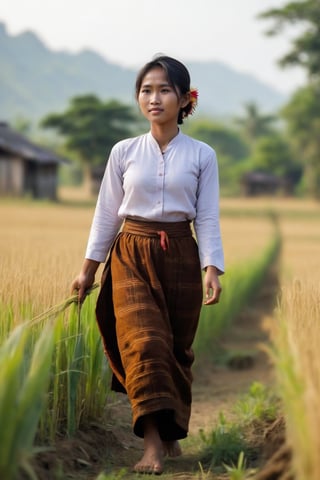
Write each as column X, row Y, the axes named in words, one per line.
column 130, row 32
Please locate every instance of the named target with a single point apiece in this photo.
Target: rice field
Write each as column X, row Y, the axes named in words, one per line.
column 297, row 340
column 295, row 331
column 42, row 247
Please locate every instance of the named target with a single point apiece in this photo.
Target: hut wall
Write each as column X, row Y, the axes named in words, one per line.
column 41, row 180
column 46, row 181
column 11, row 175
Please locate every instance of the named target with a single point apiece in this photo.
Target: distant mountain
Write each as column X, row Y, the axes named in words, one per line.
column 224, row 91
column 35, row 80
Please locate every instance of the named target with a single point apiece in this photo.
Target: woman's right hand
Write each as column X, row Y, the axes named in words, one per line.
column 80, row 285
column 84, row 281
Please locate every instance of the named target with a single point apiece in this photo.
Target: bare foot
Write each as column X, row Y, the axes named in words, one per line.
column 150, row 463
column 152, row 460
column 172, row 449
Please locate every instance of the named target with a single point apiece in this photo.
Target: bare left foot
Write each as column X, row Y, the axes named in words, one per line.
column 152, row 460
column 172, row 449
column 150, row 463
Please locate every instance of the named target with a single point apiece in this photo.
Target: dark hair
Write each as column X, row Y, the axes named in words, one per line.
column 177, row 75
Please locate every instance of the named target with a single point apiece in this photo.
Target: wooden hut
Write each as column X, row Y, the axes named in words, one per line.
column 26, row 168
column 260, row 183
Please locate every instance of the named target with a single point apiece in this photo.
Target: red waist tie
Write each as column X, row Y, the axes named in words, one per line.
column 164, row 240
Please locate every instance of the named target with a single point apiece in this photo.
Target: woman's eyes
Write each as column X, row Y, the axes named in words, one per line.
column 162, row 90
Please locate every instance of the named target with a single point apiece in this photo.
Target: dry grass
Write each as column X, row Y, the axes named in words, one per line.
column 297, row 338
column 301, row 310
column 245, row 237
column 274, row 203
column 301, row 249
column 296, row 333
column 42, row 248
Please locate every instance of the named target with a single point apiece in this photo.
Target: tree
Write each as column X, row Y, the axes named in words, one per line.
column 22, row 125
column 254, row 124
column 273, row 155
column 225, row 140
column 305, row 50
column 302, row 114
column 303, row 111
column 91, row 127
column 230, row 146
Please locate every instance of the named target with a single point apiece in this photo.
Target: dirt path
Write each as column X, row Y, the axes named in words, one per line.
column 215, row 389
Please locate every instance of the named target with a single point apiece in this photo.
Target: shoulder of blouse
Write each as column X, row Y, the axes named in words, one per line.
column 202, row 146
column 126, row 142
column 119, row 152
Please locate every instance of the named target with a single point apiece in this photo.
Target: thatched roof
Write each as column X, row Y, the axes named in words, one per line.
column 14, row 143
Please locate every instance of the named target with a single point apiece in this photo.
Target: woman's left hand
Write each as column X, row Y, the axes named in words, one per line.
column 212, row 286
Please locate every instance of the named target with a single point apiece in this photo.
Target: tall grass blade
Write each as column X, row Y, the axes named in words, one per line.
column 26, row 368
column 74, row 374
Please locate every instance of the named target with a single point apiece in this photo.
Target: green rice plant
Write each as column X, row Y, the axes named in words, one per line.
column 50, row 418
column 24, row 372
column 6, row 320
column 237, row 471
column 260, row 403
column 96, row 388
column 114, row 476
column 224, row 443
column 80, row 375
column 203, row 475
column 88, row 372
column 239, row 286
column 73, row 376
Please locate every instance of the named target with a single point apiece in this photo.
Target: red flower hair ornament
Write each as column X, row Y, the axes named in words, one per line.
column 193, row 92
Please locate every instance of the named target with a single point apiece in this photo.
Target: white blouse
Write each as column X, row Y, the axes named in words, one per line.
column 180, row 184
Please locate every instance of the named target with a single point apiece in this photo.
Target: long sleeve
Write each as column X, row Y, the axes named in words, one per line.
column 207, row 221
column 106, row 221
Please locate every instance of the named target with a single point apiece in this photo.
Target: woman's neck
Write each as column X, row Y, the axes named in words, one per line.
column 163, row 136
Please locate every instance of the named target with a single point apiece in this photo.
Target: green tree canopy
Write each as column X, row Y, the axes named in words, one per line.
column 230, row 146
column 305, row 50
column 91, row 127
column 253, row 124
column 302, row 114
column 274, row 155
column 226, row 141
column 303, row 111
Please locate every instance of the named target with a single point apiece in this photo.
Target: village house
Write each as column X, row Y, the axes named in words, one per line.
column 26, row 168
column 261, row 183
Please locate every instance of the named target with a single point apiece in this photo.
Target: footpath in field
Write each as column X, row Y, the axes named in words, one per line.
column 216, row 389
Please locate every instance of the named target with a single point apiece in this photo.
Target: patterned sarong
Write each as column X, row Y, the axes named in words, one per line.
column 147, row 311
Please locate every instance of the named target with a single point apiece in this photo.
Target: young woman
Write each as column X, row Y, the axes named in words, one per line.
column 151, row 293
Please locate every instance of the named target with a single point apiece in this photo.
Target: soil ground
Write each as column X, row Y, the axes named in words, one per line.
column 112, row 447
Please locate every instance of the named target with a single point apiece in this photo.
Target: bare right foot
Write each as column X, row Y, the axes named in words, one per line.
column 172, row 448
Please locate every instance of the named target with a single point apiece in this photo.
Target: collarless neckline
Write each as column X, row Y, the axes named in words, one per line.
column 172, row 141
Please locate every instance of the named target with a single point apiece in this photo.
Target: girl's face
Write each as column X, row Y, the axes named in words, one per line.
column 158, row 101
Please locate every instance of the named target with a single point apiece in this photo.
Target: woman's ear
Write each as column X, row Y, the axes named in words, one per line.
column 185, row 100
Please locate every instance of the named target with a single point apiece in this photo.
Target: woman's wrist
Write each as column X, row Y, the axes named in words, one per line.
column 89, row 267
column 211, row 268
